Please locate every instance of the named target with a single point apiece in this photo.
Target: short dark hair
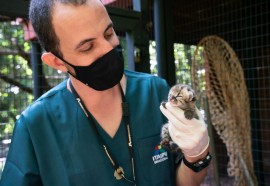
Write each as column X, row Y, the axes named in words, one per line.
column 40, row 14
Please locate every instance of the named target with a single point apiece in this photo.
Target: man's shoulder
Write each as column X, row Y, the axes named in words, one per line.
column 143, row 86
column 135, row 74
column 55, row 90
column 144, row 77
column 48, row 101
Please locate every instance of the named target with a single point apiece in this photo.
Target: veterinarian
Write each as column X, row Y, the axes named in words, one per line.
column 100, row 127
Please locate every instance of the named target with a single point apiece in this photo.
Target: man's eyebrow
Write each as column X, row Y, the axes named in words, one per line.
column 91, row 39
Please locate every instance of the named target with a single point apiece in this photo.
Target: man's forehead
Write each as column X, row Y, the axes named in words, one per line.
column 79, row 2
column 68, row 10
column 90, row 20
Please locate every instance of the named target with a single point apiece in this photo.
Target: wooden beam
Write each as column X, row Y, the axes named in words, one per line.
column 14, row 8
column 123, row 19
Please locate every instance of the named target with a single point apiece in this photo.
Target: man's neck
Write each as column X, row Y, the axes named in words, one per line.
column 96, row 99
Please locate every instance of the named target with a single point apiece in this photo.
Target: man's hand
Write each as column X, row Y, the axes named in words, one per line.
column 190, row 135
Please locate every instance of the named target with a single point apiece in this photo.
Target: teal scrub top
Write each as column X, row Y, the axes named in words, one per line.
column 53, row 143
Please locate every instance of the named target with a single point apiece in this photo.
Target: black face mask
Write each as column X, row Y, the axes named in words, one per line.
column 102, row 74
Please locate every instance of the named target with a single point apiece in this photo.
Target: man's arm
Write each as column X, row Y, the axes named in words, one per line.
column 21, row 165
column 186, row 176
column 192, row 138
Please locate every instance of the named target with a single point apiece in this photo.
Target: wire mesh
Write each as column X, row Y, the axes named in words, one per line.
column 245, row 26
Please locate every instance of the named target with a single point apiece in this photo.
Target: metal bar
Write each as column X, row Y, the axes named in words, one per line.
column 36, row 64
column 140, row 36
column 159, row 26
column 130, row 50
column 164, row 41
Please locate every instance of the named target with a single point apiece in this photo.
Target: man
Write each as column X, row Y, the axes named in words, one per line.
column 82, row 132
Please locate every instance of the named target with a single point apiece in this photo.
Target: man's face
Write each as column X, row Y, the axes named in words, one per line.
column 85, row 32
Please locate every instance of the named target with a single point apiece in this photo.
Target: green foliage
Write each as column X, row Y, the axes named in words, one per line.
column 14, row 71
column 153, row 58
column 183, row 57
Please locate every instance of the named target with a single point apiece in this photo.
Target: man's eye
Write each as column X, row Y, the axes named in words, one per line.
column 108, row 36
column 109, row 33
column 86, row 48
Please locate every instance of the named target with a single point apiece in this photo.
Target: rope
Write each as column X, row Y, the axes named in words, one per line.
column 217, row 74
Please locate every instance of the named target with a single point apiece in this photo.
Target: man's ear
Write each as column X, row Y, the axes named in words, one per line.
column 54, row 62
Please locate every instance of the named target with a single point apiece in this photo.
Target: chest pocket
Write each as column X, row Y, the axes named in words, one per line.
column 155, row 163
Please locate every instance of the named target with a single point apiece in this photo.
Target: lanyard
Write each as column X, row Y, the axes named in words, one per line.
column 118, row 170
